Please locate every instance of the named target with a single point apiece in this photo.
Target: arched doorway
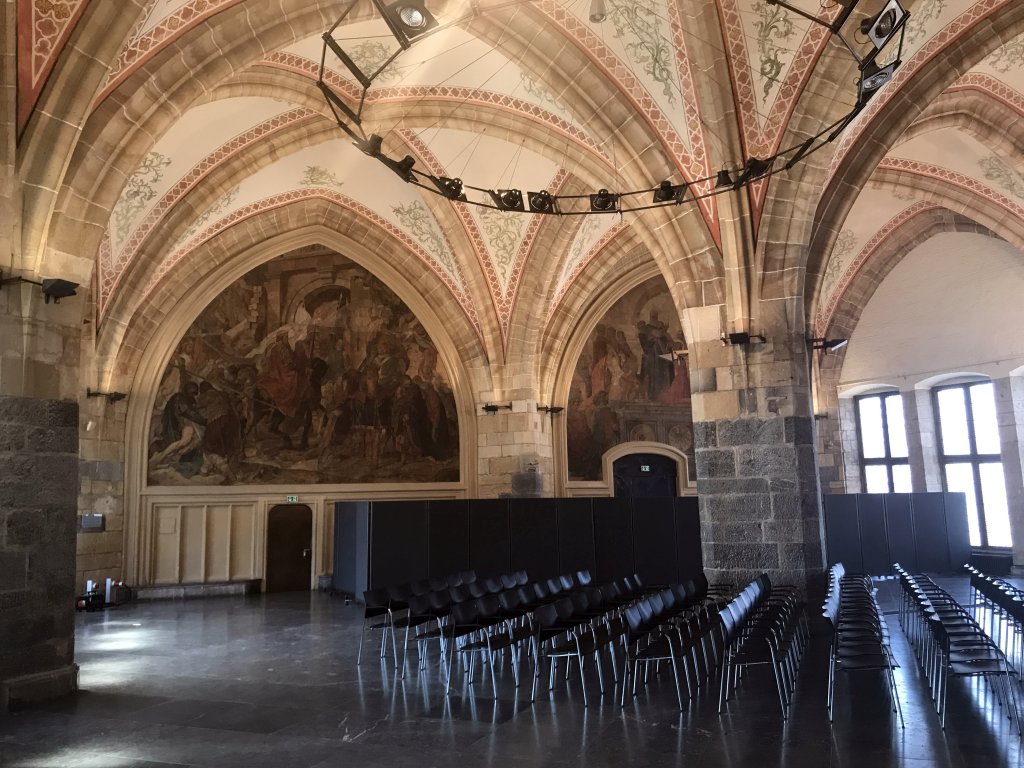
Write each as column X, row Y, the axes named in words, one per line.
column 645, row 475
column 289, row 548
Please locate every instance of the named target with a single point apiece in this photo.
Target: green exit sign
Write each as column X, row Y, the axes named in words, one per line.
column 292, row 499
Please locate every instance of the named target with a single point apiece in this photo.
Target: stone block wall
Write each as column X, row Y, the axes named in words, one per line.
column 514, row 452
column 38, row 505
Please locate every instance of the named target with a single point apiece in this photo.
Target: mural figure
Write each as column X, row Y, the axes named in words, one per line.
column 307, row 370
column 630, row 383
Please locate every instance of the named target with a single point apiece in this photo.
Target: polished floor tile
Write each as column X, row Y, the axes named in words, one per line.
column 272, row 681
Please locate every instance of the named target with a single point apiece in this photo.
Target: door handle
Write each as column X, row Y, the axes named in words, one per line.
column 307, row 553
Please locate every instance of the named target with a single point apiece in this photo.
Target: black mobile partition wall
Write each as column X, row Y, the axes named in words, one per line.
column 392, row 542
column 868, row 532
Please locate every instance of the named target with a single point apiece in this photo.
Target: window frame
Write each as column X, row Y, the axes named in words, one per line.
column 973, row 458
column 887, row 461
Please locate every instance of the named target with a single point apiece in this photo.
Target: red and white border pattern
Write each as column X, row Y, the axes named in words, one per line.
column 44, row 27
column 317, row 193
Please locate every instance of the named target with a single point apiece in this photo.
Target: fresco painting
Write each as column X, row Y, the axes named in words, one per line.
column 631, row 382
column 306, row 370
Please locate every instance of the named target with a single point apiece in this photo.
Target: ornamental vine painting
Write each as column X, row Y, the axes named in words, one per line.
column 306, row 370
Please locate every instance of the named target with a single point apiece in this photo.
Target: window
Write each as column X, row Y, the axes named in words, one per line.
column 882, row 436
column 969, row 452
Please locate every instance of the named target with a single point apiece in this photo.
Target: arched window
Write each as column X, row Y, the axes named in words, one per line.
column 882, row 439
column 969, row 452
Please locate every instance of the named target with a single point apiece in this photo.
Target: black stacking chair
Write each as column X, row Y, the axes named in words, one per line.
column 377, row 615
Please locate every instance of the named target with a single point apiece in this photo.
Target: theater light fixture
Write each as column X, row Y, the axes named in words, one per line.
column 542, row 202
column 882, row 28
column 407, row 19
column 742, row 338
column 604, row 202
column 494, row 407
column 112, row 397
column 873, row 77
column 508, row 200
column 828, row 345
column 410, row 20
column 550, row 410
column 53, row 288
column 667, row 192
column 450, row 188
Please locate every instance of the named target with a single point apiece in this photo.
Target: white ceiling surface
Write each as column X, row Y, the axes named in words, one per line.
column 952, row 305
column 953, row 149
column 200, row 131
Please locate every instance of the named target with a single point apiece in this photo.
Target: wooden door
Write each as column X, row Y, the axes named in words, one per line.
column 289, row 548
column 644, row 475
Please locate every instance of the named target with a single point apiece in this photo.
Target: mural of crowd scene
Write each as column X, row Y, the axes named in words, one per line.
column 631, row 382
column 307, row 370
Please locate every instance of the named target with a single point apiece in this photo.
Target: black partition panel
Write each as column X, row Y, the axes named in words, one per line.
column 351, row 534
column 489, row 536
column 899, row 518
column 575, row 536
column 690, row 558
column 842, row 532
column 874, row 536
column 447, row 536
column 956, row 529
column 654, row 540
column 613, row 538
column 398, row 534
column 930, row 527
column 533, row 537
column 920, row 531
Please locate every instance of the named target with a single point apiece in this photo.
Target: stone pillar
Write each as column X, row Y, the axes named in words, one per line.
column 38, row 506
column 922, row 430
column 514, row 453
column 757, row 475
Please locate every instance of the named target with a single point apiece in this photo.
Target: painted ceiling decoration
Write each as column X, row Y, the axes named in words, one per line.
column 687, row 87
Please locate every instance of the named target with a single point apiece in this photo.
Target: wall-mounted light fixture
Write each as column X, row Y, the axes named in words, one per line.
column 112, row 397
column 494, row 407
column 827, row 345
column 742, row 339
column 53, row 288
column 551, row 410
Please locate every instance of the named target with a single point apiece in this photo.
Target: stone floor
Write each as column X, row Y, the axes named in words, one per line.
column 272, row 681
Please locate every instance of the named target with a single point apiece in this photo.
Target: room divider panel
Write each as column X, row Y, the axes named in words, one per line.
column 868, row 532
column 391, row 542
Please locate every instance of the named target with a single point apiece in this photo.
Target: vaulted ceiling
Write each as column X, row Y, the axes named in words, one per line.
column 157, row 129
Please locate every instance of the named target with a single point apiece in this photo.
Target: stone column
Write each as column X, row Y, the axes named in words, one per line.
column 514, row 453
column 757, row 475
column 38, row 506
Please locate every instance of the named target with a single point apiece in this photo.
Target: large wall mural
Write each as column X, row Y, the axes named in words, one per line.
column 631, row 382
column 307, row 370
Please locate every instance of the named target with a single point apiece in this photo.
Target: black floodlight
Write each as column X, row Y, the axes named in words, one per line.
column 724, row 179
column 828, row 345
column 371, row 146
column 112, row 397
column 755, row 168
column 604, row 202
column 598, row 11
column 667, row 192
column 402, row 167
column 542, row 202
column 742, row 338
column 450, row 188
column 407, row 19
column 882, row 27
column 508, row 200
column 873, row 77
column 58, row 289
column 494, row 407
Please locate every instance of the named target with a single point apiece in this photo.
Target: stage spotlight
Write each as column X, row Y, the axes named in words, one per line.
column 667, row 192
column 598, row 11
column 407, row 19
column 604, row 202
column 57, row 289
column 873, row 77
column 724, row 179
column 401, row 167
column 754, row 169
column 542, row 202
column 881, row 28
column 450, row 188
column 507, row 199
column 371, row 146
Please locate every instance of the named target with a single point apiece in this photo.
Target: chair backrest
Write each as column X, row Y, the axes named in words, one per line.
column 399, row 592
column 490, row 606
column 420, row 587
column 510, row 600
column 567, row 582
column 376, row 600
column 545, row 616
column 460, row 594
column 440, row 601
column 437, row 584
column 584, row 577
column 493, row 585
column 508, row 580
column 565, row 609
column 419, row 605
column 468, row 577
column 634, row 618
column 465, row 613
column 476, row 588
column 454, row 580
column 541, row 590
column 554, row 586
column 580, row 602
column 522, row 578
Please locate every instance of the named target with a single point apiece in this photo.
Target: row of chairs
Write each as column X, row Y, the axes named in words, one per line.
column 949, row 643
column 763, row 625
column 859, row 635
column 999, row 607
